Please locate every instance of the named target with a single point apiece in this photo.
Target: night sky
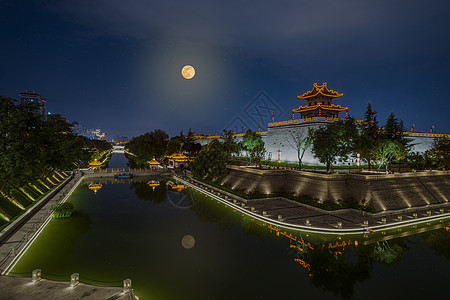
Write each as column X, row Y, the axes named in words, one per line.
column 116, row 65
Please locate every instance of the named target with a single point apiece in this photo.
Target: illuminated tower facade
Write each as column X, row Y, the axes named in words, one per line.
column 319, row 103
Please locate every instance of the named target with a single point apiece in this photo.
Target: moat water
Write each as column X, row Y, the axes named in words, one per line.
column 183, row 245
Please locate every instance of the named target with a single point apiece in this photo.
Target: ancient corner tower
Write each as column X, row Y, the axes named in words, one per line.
column 319, row 103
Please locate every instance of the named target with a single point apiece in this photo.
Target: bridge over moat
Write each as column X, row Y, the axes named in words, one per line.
column 137, row 172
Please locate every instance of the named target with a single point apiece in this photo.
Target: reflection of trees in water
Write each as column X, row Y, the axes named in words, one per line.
column 145, row 192
column 250, row 227
column 337, row 271
column 439, row 241
column 83, row 225
column 336, row 267
column 65, row 234
column 386, row 254
column 207, row 210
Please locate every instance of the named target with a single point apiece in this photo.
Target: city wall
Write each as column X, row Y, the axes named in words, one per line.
column 382, row 192
column 279, row 139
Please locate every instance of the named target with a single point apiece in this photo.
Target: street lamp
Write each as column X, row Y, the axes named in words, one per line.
column 358, row 159
column 280, row 145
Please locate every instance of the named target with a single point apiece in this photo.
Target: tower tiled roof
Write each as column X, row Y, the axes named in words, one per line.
column 320, row 90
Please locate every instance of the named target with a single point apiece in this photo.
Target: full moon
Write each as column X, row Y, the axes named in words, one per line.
column 188, row 72
column 188, row 241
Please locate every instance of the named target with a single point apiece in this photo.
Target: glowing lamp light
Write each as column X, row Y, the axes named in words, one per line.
column 74, row 279
column 127, row 285
column 36, row 275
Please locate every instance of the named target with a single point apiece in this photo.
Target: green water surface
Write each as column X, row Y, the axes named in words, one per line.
column 129, row 230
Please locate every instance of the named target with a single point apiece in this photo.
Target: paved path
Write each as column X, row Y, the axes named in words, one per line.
column 23, row 288
column 297, row 216
column 17, row 235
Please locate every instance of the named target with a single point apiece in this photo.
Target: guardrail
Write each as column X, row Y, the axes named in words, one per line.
column 414, row 219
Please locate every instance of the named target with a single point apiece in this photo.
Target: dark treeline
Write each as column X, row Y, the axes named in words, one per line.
column 157, row 144
column 207, row 162
column 31, row 148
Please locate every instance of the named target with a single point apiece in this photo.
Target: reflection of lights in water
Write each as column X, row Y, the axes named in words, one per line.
column 95, row 187
column 188, row 241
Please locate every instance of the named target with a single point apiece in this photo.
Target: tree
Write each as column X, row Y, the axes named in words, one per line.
column 253, row 143
column 368, row 135
column 189, row 145
column 229, row 143
column 174, row 145
column 333, row 141
column 300, row 141
column 210, row 162
column 440, row 152
column 149, row 145
column 393, row 130
column 420, row 160
column 20, row 153
column 31, row 148
column 387, row 150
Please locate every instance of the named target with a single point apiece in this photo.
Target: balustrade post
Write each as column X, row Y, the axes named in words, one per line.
column 127, row 285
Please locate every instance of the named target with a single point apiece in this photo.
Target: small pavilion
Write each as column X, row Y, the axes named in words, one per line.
column 154, row 164
column 177, row 160
column 319, row 103
column 95, row 164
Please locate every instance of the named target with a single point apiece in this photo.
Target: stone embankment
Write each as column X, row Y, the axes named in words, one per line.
column 289, row 214
column 379, row 191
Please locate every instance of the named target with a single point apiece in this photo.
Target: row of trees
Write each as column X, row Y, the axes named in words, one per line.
column 344, row 140
column 210, row 160
column 31, row 148
column 157, row 144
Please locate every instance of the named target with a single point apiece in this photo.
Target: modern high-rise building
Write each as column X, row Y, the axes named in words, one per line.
column 33, row 97
column 93, row 134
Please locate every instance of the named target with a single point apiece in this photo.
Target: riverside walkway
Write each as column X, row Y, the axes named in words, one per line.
column 293, row 215
column 19, row 234
column 18, row 237
column 25, row 288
